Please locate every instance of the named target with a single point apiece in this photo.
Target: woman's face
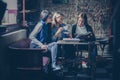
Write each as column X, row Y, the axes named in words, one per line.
column 59, row 19
column 49, row 19
column 80, row 21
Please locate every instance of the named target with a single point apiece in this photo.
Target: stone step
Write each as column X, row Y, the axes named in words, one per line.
column 69, row 77
column 101, row 73
column 103, row 79
column 83, row 77
column 109, row 68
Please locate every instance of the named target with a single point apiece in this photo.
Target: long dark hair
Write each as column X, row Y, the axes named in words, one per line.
column 84, row 17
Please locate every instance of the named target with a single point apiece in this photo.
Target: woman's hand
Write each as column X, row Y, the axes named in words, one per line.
column 44, row 47
column 59, row 31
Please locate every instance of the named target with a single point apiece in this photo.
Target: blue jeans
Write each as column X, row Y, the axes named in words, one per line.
column 52, row 47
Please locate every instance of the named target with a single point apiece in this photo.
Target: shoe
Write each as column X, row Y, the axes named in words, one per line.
column 45, row 69
column 56, row 67
column 84, row 65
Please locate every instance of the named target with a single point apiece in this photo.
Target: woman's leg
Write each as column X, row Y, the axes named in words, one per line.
column 53, row 48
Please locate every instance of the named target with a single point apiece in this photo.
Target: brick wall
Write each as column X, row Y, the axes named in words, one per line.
column 98, row 11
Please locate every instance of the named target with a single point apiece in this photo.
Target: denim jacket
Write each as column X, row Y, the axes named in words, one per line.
column 39, row 35
column 63, row 35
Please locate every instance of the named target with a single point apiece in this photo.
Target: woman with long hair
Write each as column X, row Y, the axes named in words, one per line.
column 60, row 31
column 39, row 37
column 84, row 32
column 82, row 28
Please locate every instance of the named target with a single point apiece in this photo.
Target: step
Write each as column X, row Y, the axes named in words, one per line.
column 103, row 79
column 109, row 68
column 83, row 77
column 101, row 73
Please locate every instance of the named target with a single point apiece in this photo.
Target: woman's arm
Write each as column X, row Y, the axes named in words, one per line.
column 73, row 30
column 92, row 36
column 59, row 31
column 34, row 33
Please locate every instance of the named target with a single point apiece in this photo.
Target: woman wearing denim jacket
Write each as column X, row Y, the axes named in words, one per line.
column 60, row 31
column 39, row 37
column 58, row 27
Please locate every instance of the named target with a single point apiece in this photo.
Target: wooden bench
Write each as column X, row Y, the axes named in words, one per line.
column 25, row 58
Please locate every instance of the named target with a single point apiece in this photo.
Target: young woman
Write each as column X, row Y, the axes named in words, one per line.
column 82, row 28
column 60, row 31
column 84, row 32
column 39, row 37
column 58, row 27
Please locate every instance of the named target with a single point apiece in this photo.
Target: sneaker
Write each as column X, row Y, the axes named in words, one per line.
column 45, row 69
column 56, row 67
column 84, row 64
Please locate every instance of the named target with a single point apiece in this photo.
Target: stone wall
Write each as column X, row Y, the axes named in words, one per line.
column 98, row 11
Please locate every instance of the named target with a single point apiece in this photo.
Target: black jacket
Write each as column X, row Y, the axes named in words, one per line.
column 89, row 29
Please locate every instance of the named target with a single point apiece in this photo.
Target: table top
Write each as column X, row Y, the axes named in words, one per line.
column 74, row 43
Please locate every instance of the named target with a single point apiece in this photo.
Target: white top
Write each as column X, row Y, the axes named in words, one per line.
column 81, row 30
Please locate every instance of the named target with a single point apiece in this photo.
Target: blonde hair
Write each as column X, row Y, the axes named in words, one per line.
column 56, row 15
